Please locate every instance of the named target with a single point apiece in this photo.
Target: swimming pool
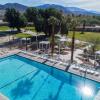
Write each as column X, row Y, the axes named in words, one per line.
column 23, row 79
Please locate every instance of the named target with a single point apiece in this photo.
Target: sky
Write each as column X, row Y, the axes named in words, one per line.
column 86, row 4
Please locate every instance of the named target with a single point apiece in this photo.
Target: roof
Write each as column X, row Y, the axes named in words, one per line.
column 25, row 39
column 97, row 52
column 44, row 42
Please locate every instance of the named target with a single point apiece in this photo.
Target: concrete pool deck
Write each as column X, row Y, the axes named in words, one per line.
column 2, row 97
column 9, row 52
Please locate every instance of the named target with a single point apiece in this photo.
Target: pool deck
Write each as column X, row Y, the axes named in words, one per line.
column 2, row 97
column 52, row 63
column 87, row 75
column 10, row 52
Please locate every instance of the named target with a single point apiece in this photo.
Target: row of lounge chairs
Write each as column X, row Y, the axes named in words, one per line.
column 45, row 59
column 3, row 52
column 86, row 70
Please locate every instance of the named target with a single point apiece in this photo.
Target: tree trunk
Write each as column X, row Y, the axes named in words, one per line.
column 83, row 29
column 72, row 46
column 93, row 50
column 52, row 44
column 9, row 41
column 18, row 29
column 26, row 44
column 37, row 40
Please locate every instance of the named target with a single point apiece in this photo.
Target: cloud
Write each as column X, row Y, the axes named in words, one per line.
column 87, row 4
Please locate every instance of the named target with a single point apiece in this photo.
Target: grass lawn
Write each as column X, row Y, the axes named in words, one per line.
column 30, row 28
column 86, row 36
column 4, row 28
column 23, row 35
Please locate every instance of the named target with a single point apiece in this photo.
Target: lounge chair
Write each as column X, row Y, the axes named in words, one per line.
column 89, row 71
column 96, row 73
column 82, row 69
column 75, row 67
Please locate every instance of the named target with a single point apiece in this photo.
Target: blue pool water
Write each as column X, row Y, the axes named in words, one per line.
column 23, row 79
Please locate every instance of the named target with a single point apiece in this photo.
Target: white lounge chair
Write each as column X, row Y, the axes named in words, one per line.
column 75, row 67
column 89, row 71
column 82, row 69
column 96, row 73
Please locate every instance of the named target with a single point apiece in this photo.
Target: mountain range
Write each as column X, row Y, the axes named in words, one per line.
column 17, row 6
column 74, row 10
column 67, row 10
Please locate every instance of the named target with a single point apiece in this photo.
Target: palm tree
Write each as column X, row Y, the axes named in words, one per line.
column 74, row 24
column 53, row 22
column 64, row 25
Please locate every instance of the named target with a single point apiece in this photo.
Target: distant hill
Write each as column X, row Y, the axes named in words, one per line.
column 66, row 10
column 73, row 10
column 17, row 6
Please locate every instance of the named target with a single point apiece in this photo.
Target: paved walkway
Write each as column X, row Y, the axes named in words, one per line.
column 2, row 97
column 8, row 52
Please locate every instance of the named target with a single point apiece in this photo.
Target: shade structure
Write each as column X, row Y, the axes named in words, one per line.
column 44, row 45
column 63, row 39
column 97, row 52
column 24, row 39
